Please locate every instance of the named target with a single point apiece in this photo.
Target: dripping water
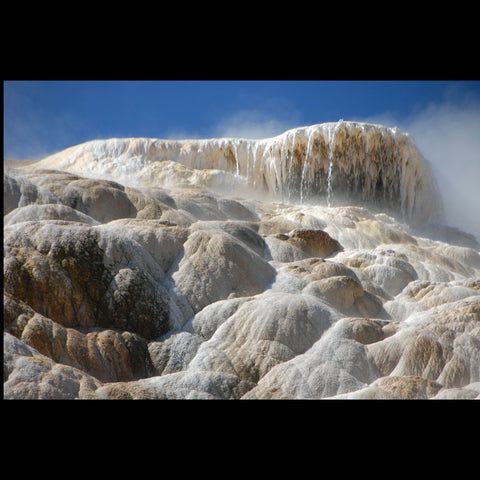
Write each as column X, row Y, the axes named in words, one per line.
column 329, row 183
column 331, row 145
column 235, row 148
column 290, row 167
column 305, row 162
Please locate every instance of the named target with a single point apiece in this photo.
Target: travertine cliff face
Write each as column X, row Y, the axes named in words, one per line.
column 331, row 162
column 308, row 265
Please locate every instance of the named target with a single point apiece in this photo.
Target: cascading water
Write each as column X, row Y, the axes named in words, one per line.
column 354, row 162
column 329, row 184
column 331, row 146
column 306, row 162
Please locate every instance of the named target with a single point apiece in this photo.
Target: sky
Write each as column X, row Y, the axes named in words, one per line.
column 42, row 117
column 442, row 117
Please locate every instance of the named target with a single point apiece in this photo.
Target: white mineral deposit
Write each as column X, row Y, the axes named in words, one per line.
column 317, row 264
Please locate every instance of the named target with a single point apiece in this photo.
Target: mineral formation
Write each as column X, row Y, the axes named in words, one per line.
column 312, row 265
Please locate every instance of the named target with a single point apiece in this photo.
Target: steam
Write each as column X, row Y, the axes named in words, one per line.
column 448, row 135
column 450, row 138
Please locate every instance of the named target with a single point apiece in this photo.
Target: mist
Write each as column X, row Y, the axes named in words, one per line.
column 448, row 136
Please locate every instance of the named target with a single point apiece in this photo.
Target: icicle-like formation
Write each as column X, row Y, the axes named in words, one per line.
column 330, row 164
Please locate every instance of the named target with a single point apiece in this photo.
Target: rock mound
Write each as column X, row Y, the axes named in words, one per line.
column 144, row 290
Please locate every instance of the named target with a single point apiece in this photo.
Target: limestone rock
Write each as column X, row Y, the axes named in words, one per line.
column 469, row 392
column 341, row 291
column 263, row 332
column 173, row 352
column 20, row 192
column 206, row 322
column 370, row 164
column 162, row 240
column 216, row 266
column 244, row 232
column 47, row 212
column 335, row 364
column 281, row 251
column 336, row 284
column 201, row 204
column 277, row 223
column 107, row 355
column 29, row 375
column 314, row 243
column 442, row 345
column 408, row 387
column 196, row 385
column 79, row 276
column 230, row 269
column 100, row 199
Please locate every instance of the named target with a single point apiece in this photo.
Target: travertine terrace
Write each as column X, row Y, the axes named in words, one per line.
column 312, row 265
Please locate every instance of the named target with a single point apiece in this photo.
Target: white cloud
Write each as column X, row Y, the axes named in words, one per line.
column 254, row 124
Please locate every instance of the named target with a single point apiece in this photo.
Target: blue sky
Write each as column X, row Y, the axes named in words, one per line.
column 42, row 117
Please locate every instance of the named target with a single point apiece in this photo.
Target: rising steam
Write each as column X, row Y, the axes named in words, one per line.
column 448, row 135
